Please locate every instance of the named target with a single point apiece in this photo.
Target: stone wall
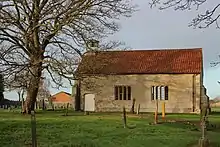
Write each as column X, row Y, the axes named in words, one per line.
column 180, row 100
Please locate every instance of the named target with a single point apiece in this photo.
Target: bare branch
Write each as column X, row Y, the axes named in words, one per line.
column 49, row 36
column 201, row 21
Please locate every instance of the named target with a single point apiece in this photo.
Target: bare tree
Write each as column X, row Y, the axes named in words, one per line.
column 203, row 20
column 49, row 36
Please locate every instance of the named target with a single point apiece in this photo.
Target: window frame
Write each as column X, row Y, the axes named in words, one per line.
column 166, row 93
column 122, row 92
column 160, row 92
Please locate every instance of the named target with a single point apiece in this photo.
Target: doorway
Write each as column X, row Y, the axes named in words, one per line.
column 89, row 102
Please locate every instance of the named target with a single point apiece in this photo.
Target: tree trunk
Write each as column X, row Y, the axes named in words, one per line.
column 43, row 105
column 156, row 112
column 132, row 107
column 124, row 117
column 78, row 96
column 32, row 90
column 22, row 100
column 19, row 96
column 36, row 104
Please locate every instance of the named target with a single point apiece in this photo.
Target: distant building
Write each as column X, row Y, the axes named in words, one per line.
column 6, row 103
column 61, row 99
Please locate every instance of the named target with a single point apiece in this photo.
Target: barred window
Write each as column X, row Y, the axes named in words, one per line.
column 159, row 92
column 122, row 92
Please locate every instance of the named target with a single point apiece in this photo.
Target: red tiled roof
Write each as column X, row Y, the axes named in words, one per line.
column 142, row 62
column 62, row 97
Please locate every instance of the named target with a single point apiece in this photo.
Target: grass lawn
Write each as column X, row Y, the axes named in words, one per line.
column 217, row 109
column 99, row 130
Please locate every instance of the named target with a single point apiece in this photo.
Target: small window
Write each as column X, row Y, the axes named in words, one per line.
column 159, row 92
column 122, row 93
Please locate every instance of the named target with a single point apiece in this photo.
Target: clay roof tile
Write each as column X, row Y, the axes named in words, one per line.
column 142, row 62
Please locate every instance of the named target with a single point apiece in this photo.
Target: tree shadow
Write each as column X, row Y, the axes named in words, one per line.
column 215, row 113
column 196, row 144
column 186, row 125
column 191, row 125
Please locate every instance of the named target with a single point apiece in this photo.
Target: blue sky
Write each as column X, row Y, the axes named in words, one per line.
column 154, row 29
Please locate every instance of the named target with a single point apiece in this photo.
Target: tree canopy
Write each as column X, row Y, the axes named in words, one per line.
column 48, row 36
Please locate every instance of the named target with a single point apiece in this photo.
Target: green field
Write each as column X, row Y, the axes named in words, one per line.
column 101, row 130
column 216, row 109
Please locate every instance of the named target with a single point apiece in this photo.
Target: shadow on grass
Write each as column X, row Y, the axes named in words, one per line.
column 182, row 125
column 196, row 144
column 191, row 125
column 215, row 113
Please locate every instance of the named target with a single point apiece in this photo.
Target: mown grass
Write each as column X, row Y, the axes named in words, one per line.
column 99, row 130
column 216, row 109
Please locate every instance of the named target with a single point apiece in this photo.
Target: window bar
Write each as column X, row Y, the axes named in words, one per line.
column 152, row 92
column 129, row 92
column 120, row 93
column 166, row 92
column 116, row 92
column 156, row 92
column 125, row 93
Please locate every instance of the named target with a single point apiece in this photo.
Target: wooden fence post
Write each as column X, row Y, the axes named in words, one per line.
column 156, row 112
column 163, row 110
column 132, row 107
column 124, row 118
column 67, row 108
column 53, row 107
column 86, row 113
column 22, row 103
column 204, row 141
column 138, row 109
column 33, row 129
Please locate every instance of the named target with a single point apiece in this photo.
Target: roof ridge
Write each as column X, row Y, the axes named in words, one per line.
column 141, row 50
column 61, row 92
column 188, row 60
